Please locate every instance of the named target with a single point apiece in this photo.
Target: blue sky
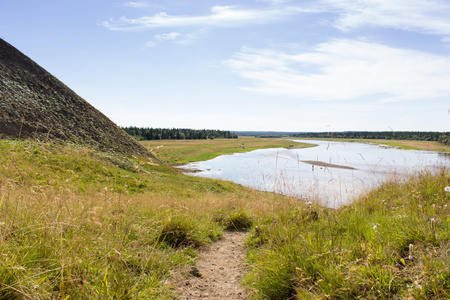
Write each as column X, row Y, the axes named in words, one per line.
column 279, row 65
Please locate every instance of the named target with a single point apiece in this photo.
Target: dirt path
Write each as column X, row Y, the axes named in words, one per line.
column 218, row 271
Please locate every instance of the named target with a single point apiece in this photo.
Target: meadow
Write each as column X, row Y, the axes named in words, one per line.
column 403, row 144
column 76, row 223
column 184, row 151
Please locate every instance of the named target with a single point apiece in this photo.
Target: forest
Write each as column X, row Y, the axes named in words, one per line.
column 148, row 134
column 387, row 135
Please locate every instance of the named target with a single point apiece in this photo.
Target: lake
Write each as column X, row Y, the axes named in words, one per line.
column 331, row 174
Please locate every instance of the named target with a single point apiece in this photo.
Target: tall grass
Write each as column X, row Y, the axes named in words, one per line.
column 392, row 243
column 80, row 224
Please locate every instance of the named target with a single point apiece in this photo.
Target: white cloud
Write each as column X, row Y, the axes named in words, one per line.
column 167, row 36
column 273, row 2
column 345, row 70
column 220, row 16
column 149, row 44
column 136, row 4
column 429, row 17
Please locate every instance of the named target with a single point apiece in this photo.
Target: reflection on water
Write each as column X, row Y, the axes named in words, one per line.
column 332, row 174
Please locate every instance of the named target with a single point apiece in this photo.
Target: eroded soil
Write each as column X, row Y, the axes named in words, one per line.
column 218, row 272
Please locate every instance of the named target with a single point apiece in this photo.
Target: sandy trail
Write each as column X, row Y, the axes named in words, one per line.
column 220, row 268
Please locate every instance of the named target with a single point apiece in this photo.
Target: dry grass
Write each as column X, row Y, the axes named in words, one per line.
column 183, row 151
column 74, row 224
column 392, row 243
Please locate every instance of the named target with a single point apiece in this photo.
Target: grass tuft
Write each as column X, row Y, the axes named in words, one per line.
column 178, row 232
column 235, row 219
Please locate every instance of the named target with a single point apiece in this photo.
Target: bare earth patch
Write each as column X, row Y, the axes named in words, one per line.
column 218, row 272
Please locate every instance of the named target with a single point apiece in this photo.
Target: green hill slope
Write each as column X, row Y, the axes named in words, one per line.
column 35, row 104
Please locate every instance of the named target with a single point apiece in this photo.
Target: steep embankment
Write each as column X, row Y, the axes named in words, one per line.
column 35, row 104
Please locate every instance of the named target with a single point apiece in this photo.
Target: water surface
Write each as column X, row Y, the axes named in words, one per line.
column 293, row 172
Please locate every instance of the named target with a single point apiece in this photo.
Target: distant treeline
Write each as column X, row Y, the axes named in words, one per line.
column 386, row 135
column 177, row 134
column 266, row 134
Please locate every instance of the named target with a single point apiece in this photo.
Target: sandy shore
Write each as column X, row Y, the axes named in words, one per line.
column 328, row 165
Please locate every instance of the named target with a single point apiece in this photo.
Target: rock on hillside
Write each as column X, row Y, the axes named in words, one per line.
column 34, row 104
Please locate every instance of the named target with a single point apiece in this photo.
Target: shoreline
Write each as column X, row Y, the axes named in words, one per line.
column 327, row 165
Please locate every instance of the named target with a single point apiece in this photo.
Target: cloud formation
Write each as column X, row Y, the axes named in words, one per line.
column 135, row 4
column 220, row 16
column 350, row 71
column 167, row 36
column 345, row 69
column 428, row 17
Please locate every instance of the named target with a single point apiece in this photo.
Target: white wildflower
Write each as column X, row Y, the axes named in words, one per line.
column 447, row 189
column 375, row 227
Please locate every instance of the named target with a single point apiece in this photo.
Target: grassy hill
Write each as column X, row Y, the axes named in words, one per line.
column 34, row 104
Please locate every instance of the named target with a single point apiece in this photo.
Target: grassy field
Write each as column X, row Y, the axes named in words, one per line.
column 184, row 151
column 404, row 144
column 80, row 224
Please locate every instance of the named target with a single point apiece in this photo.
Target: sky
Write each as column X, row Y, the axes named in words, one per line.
column 260, row 65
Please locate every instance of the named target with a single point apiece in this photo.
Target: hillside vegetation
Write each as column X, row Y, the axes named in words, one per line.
column 76, row 223
column 84, row 224
column 34, row 104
